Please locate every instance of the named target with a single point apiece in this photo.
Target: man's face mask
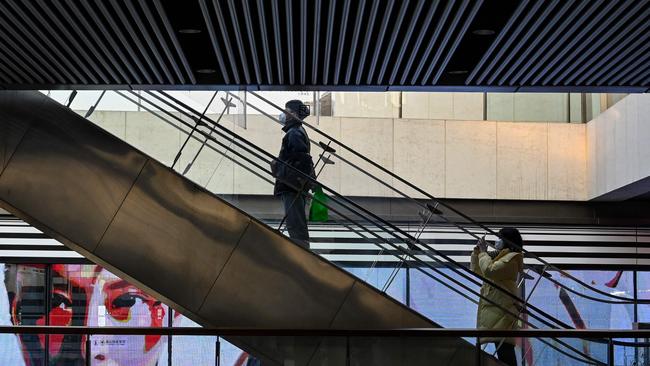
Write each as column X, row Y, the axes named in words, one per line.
column 282, row 118
column 498, row 244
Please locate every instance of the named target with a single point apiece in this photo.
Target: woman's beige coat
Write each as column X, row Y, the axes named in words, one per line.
column 503, row 271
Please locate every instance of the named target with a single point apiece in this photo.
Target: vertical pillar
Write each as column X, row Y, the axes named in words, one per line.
column 88, row 350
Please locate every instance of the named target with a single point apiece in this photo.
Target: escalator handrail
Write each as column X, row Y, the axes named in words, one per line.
column 382, row 239
column 453, row 209
column 366, row 213
column 407, row 253
column 459, row 226
column 397, row 247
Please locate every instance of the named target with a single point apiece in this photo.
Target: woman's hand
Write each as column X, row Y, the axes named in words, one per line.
column 482, row 245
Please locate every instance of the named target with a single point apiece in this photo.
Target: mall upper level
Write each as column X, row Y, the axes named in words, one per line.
column 453, row 146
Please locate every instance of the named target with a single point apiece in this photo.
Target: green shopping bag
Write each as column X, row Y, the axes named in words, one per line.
column 318, row 211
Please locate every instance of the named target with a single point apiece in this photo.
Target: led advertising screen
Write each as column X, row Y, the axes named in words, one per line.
column 89, row 295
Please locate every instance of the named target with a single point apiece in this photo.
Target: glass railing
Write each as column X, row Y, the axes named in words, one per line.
column 325, row 346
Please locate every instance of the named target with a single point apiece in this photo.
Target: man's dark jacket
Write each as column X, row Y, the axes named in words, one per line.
column 294, row 151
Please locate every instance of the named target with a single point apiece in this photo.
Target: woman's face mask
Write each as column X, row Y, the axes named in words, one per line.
column 282, row 118
column 498, row 244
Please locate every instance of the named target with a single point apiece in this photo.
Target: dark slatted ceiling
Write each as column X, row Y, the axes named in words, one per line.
column 509, row 45
column 564, row 43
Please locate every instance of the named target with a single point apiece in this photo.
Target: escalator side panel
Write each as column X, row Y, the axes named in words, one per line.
column 467, row 356
column 184, row 237
column 16, row 119
column 79, row 184
column 266, row 273
column 363, row 307
column 67, row 175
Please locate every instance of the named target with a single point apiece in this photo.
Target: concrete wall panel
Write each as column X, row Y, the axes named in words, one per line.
column 470, row 168
column 620, row 146
column 522, row 160
column 372, row 137
column 420, row 155
column 567, row 162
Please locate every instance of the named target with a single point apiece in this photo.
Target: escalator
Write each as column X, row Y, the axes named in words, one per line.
column 191, row 249
column 158, row 103
column 256, row 159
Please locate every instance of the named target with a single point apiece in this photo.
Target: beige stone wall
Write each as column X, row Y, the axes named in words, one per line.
column 618, row 145
column 447, row 158
column 520, row 107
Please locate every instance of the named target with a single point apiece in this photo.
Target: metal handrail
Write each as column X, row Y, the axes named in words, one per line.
column 517, row 316
column 263, row 169
column 624, row 300
column 594, row 335
column 389, row 227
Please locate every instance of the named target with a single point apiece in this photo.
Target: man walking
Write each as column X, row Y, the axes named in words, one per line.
column 290, row 185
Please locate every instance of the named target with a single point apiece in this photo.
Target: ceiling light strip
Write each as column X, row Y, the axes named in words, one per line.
column 13, row 63
column 289, row 21
column 416, row 47
column 221, row 22
column 251, row 40
column 277, row 36
column 64, row 44
column 172, row 36
column 303, row 41
column 265, row 41
column 577, row 43
column 393, row 38
column 315, row 45
column 550, row 40
column 502, row 34
column 91, row 30
column 341, row 44
column 240, row 41
column 380, row 40
column 595, row 42
column 515, row 53
column 82, row 35
column 576, row 23
column 635, row 64
column 24, row 58
column 468, row 20
column 153, row 47
column 618, row 56
column 213, row 38
column 120, row 36
column 524, row 24
column 433, row 41
column 355, row 39
column 366, row 41
column 407, row 40
column 328, row 41
column 162, row 42
column 49, row 51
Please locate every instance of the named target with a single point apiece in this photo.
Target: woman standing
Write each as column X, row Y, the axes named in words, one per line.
column 502, row 269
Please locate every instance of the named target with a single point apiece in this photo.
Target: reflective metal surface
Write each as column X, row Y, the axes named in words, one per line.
column 282, row 284
column 366, row 306
column 139, row 219
column 16, row 119
column 68, row 175
column 172, row 236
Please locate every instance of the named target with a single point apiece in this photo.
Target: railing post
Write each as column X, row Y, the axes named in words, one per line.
column 347, row 351
column 88, row 350
column 479, row 358
column 217, row 352
column 610, row 352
